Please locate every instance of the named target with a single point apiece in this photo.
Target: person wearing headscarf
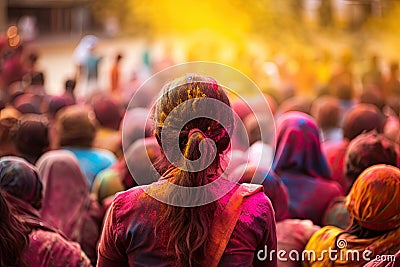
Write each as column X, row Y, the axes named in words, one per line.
column 361, row 118
column 47, row 247
column 76, row 126
column 364, row 151
column 67, row 204
column 302, row 167
column 31, row 136
column 292, row 234
column 374, row 206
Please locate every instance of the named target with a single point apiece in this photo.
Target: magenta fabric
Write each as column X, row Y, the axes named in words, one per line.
column 48, row 247
column 298, row 146
column 302, row 167
column 67, row 204
column 128, row 237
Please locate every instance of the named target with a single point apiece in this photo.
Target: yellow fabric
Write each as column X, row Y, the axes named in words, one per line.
column 328, row 238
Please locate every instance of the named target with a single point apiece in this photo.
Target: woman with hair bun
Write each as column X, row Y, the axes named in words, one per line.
column 176, row 221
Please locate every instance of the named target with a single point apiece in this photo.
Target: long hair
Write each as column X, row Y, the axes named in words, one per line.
column 13, row 236
column 189, row 226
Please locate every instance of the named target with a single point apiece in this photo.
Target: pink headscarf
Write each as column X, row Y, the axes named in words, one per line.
column 67, row 204
column 65, row 191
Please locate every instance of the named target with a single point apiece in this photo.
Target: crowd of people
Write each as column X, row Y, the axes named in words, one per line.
column 70, row 193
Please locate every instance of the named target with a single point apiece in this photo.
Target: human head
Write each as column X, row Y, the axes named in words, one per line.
column 107, row 112
column 190, row 93
column 140, row 157
column 76, row 126
column 21, row 180
column 7, row 146
column 326, row 111
column 366, row 150
column 298, row 146
column 185, row 133
column 31, row 136
column 362, row 118
column 70, row 85
column 374, row 200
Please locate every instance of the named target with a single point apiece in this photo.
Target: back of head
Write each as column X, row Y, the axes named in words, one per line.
column 362, row 118
column 326, row 111
column 107, row 112
column 21, row 180
column 374, row 200
column 296, row 103
column 298, row 146
column 192, row 128
column 367, row 150
column 183, row 112
column 6, row 126
column 136, row 125
column 76, row 126
column 140, row 157
column 31, row 136
column 373, row 97
column 56, row 103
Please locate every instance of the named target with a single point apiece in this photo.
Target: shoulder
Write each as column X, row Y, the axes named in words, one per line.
column 51, row 249
column 323, row 238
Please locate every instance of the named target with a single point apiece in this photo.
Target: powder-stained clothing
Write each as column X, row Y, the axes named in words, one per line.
column 302, row 167
column 47, row 246
column 374, row 203
column 67, row 204
column 128, row 237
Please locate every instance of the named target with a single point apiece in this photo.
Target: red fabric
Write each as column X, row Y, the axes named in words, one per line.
column 335, row 155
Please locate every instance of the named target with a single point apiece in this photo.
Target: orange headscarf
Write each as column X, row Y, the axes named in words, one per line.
column 374, row 200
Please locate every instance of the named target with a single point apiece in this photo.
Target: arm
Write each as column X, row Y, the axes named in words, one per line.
column 269, row 242
column 111, row 251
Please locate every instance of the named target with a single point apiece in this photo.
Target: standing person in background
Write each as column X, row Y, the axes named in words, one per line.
column 115, row 77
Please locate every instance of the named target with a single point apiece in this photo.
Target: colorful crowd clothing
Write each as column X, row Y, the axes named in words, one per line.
column 23, row 191
column 373, row 204
column 92, row 161
column 361, row 118
column 365, row 150
column 129, row 238
column 67, row 204
column 302, row 167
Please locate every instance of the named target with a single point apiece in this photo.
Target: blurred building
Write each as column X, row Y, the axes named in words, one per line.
column 48, row 16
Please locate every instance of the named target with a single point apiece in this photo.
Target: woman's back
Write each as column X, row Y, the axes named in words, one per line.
column 135, row 237
column 190, row 216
